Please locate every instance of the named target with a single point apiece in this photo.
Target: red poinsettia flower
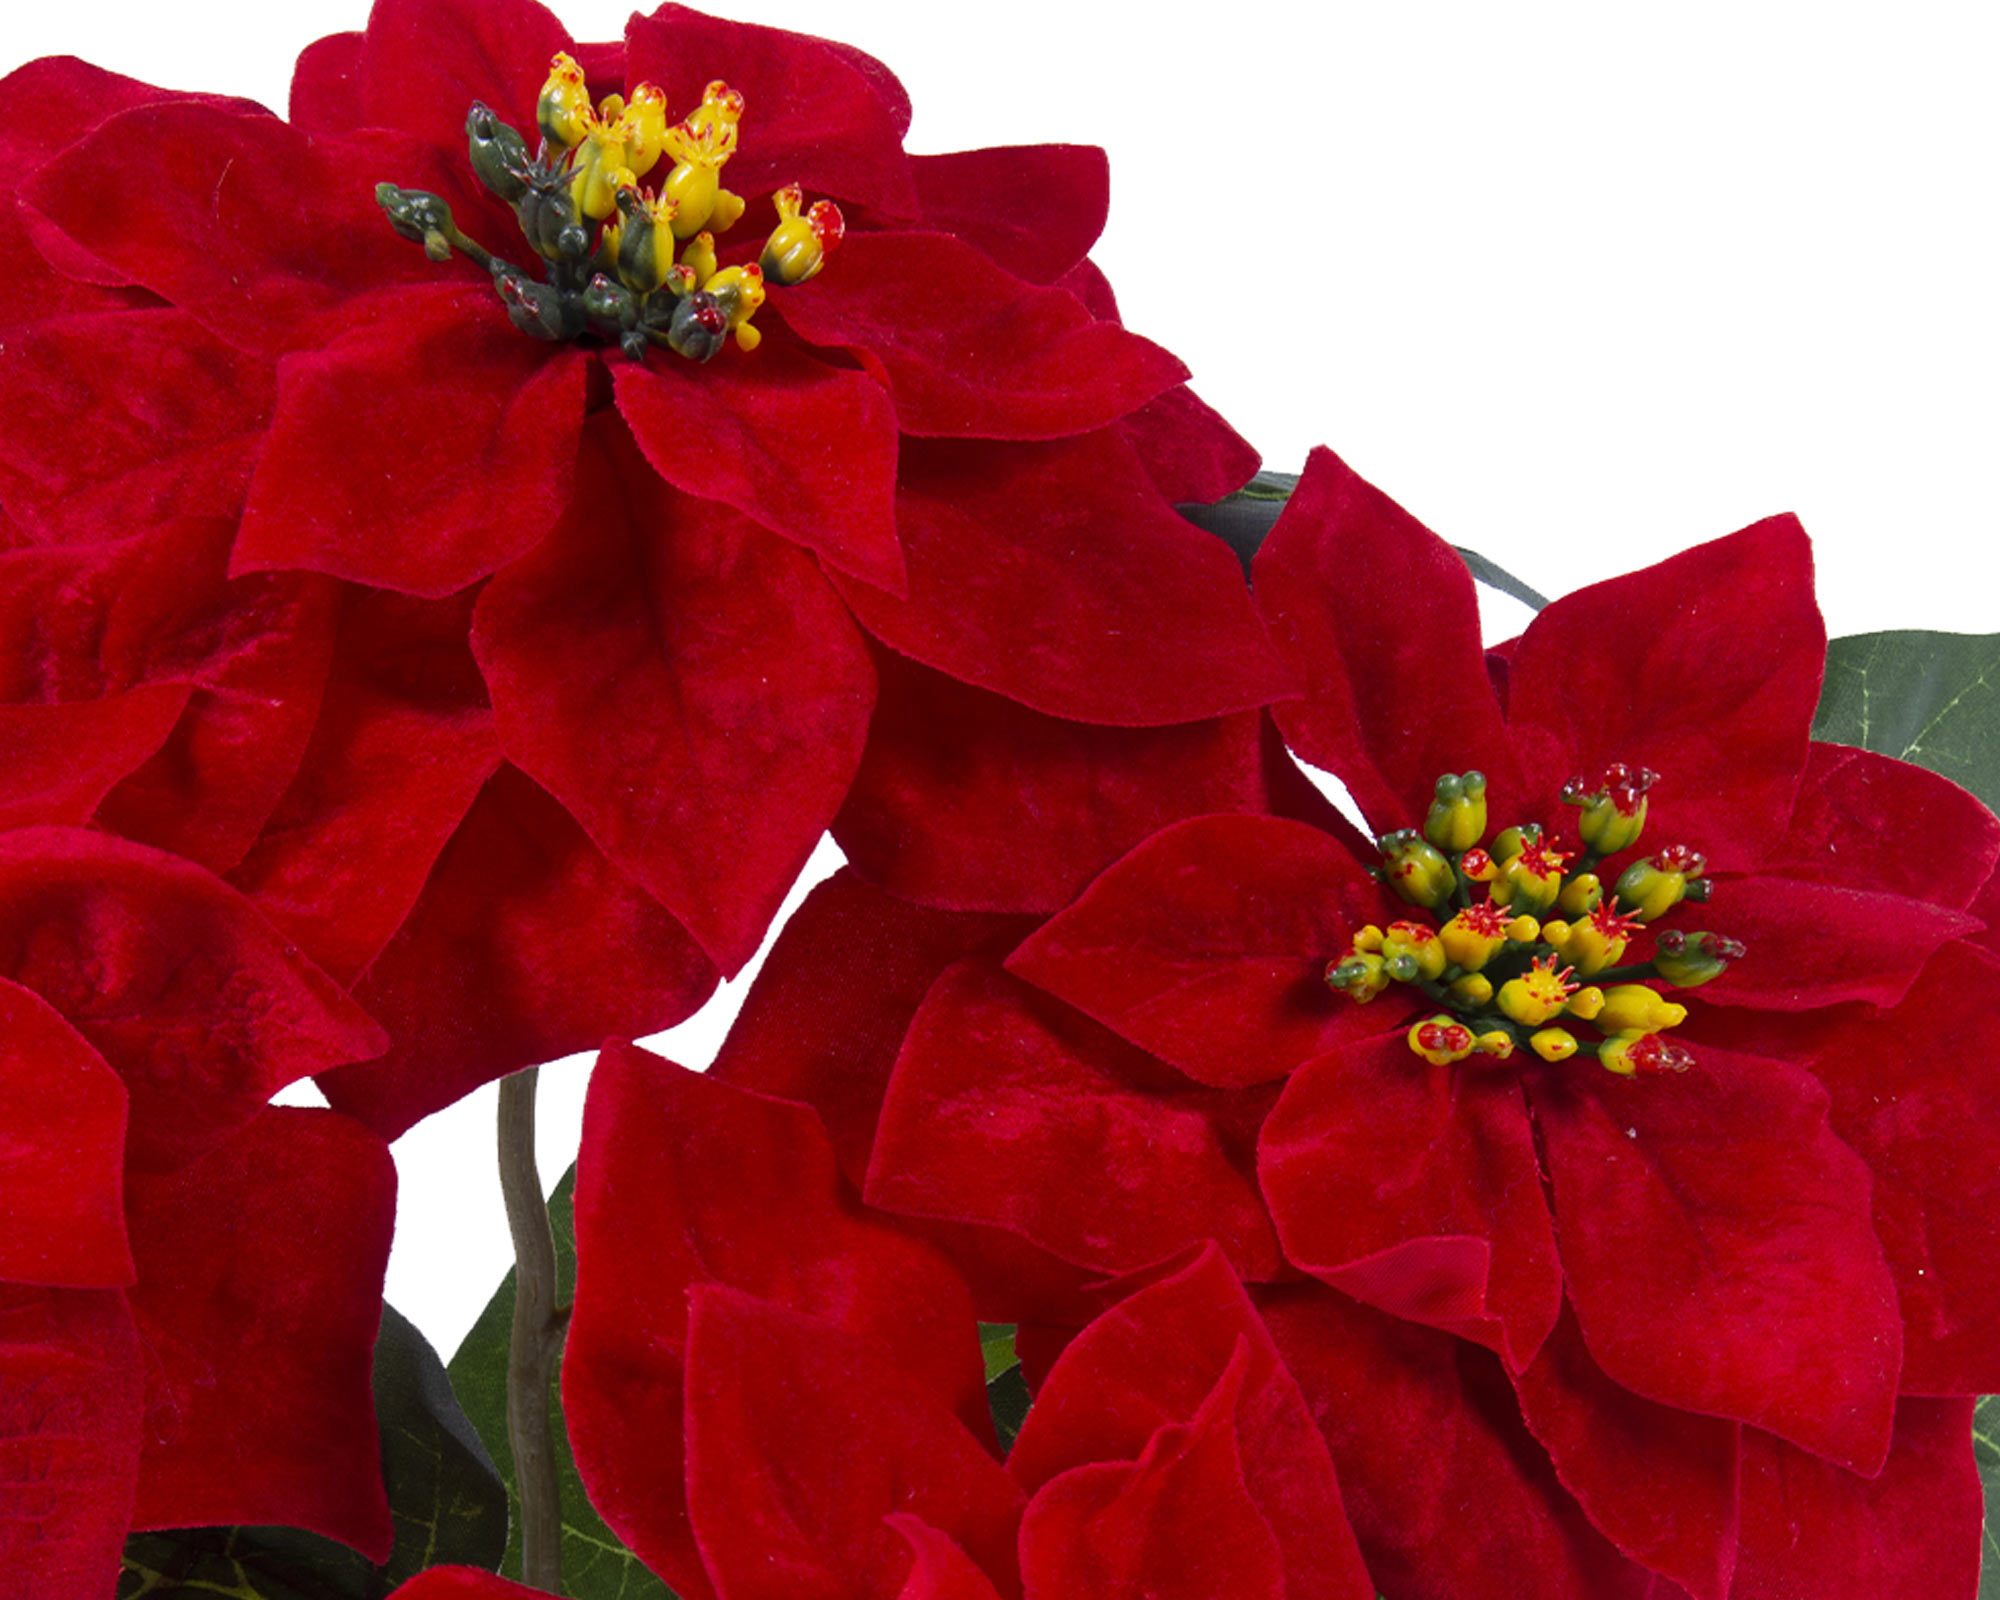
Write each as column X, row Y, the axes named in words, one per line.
column 770, row 1389
column 190, row 1279
column 586, row 635
column 1710, row 1249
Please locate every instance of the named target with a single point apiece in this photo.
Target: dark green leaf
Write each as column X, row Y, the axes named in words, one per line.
column 1986, row 1451
column 444, row 1493
column 1008, row 1397
column 1244, row 520
column 1929, row 698
column 596, row 1565
column 1497, row 577
column 1006, row 1387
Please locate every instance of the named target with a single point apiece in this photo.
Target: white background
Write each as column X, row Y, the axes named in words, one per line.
column 1579, row 284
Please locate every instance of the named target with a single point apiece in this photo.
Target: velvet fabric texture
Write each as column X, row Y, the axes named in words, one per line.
column 1668, row 1294
column 191, row 1280
column 773, row 1391
column 377, row 579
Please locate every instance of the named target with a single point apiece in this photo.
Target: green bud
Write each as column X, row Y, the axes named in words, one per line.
column 699, row 327
column 537, row 309
column 499, row 154
column 1510, row 842
column 1688, row 960
column 1457, row 816
column 1416, row 871
column 1655, row 884
column 418, row 216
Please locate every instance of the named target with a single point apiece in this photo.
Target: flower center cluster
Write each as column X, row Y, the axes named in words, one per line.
column 1540, row 953
column 619, row 262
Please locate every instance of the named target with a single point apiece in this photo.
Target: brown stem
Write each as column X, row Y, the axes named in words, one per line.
column 537, row 1339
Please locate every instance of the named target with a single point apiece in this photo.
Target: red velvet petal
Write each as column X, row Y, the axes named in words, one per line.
column 1449, row 1495
column 403, row 745
column 1151, row 1363
column 1813, row 944
column 970, row 351
column 1208, row 946
column 194, row 999
column 86, row 95
column 1189, row 451
column 325, row 97
column 256, row 227
column 1176, row 1524
column 1053, row 574
column 83, row 623
column 1034, row 209
column 802, row 1438
column 1011, row 1110
column 256, row 651
column 966, row 798
column 526, row 945
column 58, row 761
column 827, row 1014
column 646, row 599
column 1416, row 1189
column 469, row 431
column 1086, row 280
column 1705, row 667
column 799, row 447
column 1661, row 1484
column 70, row 1406
column 461, row 1583
column 31, row 290
column 260, row 1292
column 62, row 1162
column 682, row 1182
column 91, row 453
column 73, row 94
column 939, row 1569
column 1814, row 1532
column 1913, row 1092
column 1718, row 1248
column 1376, row 616
column 1920, row 835
column 423, row 62
column 816, row 113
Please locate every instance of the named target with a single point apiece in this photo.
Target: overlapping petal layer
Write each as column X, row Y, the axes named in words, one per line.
column 682, row 1183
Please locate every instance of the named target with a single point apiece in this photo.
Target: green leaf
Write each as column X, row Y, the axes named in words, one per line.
column 1007, row 1393
column 1928, row 698
column 596, row 1564
column 1244, row 520
column 445, row 1497
column 1986, row 1451
column 996, row 1344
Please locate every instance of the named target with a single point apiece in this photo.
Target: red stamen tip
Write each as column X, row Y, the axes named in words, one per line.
column 1656, row 1054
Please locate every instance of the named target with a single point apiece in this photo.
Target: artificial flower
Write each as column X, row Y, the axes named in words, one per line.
column 190, row 1279
column 1711, row 1243
column 517, row 549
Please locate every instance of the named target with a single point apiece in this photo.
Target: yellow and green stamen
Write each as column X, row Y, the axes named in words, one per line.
column 621, row 263
column 1506, row 973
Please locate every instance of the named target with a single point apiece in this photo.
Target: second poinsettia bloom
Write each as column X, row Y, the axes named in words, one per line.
column 1612, row 1053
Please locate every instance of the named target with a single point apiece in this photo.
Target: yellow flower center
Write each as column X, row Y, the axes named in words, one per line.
column 1507, row 974
column 621, row 263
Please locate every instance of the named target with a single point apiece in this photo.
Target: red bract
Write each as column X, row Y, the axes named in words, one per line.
column 1694, row 1287
column 773, row 1391
column 190, row 1280
column 490, row 564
